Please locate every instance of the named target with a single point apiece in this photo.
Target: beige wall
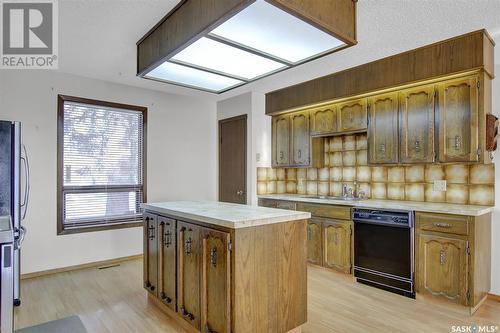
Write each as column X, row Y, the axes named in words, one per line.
column 180, row 135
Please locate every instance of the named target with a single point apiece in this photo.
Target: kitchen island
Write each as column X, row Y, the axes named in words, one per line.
column 221, row 267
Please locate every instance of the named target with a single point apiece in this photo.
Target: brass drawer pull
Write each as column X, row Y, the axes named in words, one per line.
column 188, row 246
column 442, row 225
column 186, row 314
column 151, row 231
column 168, row 238
column 442, row 257
column 213, row 257
column 165, row 298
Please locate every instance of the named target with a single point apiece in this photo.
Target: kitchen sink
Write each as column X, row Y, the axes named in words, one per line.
column 327, row 197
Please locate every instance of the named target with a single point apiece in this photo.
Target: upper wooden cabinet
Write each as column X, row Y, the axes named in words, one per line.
column 324, row 120
column 383, row 129
column 352, row 115
column 458, row 120
column 300, row 139
column 280, row 140
column 416, row 123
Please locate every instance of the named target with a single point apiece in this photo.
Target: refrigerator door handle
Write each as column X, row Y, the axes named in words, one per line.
column 24, row 205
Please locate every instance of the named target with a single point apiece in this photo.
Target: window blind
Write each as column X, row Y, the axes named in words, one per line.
column 102, row 165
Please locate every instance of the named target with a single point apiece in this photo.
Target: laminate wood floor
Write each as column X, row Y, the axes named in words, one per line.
column 113, row 300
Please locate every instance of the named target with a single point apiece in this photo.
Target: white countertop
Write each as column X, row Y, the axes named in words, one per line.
column 223, row 214
column 446, row 208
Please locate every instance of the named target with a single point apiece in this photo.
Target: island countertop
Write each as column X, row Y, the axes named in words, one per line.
column 223, row 214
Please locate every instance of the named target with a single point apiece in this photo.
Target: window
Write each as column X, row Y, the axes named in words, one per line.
column 101, row 164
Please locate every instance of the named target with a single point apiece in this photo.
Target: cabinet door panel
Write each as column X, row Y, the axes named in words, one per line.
column 353, row 116
column 189, row 253
column 314, row 252
column 168, row 262
column 300, row 138
column 383, row 129
column 443, row 267
column 416, row 118
column 151, row 253
column 281, row 140
column 324, row 120
column 337, row 245
column 215, row 296
column 458, row 120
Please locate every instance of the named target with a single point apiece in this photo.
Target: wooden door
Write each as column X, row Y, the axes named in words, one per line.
column 458, row 120
column 167, row 262
column 383, row 129
column 281, row 140
column 324, row 120
column 314, row 246
column 151, row 253
column 337, row 245
column 189, row 256
column 216, row 282
column 300, row 139
column 443, row 267
column 416, row 125
column 353, row 115
column 233, row 160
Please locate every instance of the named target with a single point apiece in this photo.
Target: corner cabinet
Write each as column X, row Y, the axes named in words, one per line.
column 383, row 129
column 458, row 120
column 453, row 255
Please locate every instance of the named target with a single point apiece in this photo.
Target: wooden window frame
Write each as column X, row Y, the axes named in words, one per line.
column 61, row 99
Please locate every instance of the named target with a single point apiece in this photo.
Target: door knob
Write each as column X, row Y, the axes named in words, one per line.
column 240, row 192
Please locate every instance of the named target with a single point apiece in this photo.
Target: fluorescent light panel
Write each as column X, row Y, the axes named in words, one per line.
column 220, row 57
column 192, row 77
column 264, row 27
column 211, row 64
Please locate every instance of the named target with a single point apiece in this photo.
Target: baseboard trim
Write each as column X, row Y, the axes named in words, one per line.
column 494, row 297
column 79, row 267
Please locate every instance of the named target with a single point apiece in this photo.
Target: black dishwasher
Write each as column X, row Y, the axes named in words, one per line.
column 384, row 249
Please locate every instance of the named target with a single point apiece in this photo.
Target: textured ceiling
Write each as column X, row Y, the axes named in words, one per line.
column 97, row 37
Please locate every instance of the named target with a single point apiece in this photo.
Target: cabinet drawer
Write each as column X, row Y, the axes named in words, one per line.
column 452, row 224
column 267, row 203
column 328, row 211
column 286, row 205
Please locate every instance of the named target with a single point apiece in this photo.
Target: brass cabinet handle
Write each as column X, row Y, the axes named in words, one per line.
column 168, row 238
column 458, row 142
column 282, row 155
column 382, row 147
column 213, row 256
column 151, row 232
column 300, row 153
column 309, row 234
column 165, row 298
column 442, row 257
column 188, row 246
column 186, row 314
column 417, row 145
column 442, row 225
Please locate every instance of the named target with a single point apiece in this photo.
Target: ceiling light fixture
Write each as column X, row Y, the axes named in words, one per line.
column 220, row 45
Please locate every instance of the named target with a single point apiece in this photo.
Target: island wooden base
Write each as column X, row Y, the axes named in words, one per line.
column 210, row 278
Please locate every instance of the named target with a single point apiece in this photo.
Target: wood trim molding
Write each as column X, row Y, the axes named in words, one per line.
column 494, row 297
column 468, row 52
column 101, row 263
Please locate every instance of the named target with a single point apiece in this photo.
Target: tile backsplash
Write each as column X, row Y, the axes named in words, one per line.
column 346, row 162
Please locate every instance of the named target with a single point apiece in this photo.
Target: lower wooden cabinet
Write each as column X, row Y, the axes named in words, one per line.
column 337, row 245
column 167, row 262
column 151, row 253
column 314, row 242
column 453, row 255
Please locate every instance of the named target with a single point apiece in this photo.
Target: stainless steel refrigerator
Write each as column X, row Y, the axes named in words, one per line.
column 14, row 191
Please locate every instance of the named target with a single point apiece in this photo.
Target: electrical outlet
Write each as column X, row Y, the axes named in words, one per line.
column 257, row 157
column 440, row 185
